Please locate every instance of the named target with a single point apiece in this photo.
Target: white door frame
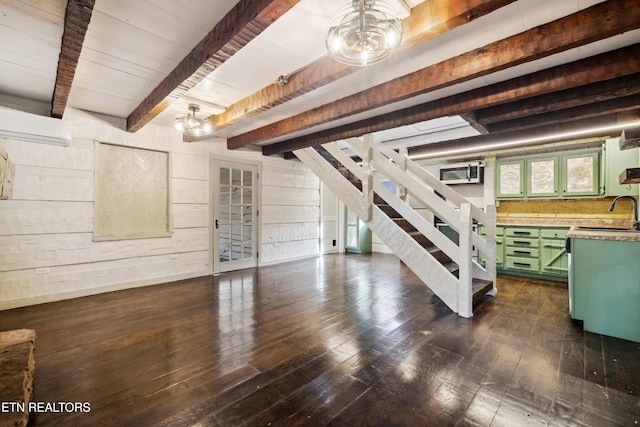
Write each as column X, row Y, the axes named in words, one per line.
column 215, row 165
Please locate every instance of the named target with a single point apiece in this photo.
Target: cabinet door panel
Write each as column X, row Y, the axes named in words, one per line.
column 580, row 177
column 553, row 257
column 542, row 177
column 510, row 182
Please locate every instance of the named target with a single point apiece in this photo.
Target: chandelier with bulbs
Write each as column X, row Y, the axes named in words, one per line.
column 189, row 123
column 364, row 32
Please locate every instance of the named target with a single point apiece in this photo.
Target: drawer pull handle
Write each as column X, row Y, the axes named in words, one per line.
column 522, row 233
column 522, row 264
column 522, row 252
column 521, row 243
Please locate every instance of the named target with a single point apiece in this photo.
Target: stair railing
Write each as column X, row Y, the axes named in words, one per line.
column 422, row 187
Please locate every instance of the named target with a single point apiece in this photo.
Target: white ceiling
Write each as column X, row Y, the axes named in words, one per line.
column 131, row 46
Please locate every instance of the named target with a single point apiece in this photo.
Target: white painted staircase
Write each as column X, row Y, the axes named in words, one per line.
column 446, row 267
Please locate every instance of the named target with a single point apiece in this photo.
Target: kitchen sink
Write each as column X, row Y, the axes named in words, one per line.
column 606, row 229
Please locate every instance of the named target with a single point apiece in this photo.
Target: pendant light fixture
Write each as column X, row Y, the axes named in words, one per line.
column 364, row 32
column 189, row 123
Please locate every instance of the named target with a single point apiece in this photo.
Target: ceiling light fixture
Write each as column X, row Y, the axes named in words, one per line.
column 364, row 32
column 191, row 124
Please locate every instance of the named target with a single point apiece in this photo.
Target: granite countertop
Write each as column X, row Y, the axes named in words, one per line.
column 582, row 233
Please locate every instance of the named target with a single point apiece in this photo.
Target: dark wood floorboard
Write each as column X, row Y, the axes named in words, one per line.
column 342, row 340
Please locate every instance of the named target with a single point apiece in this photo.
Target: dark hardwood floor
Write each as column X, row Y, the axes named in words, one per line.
column 342, row 340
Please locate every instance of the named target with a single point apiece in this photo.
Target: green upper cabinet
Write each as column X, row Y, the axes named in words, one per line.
column 580, row 174
column 575, row 174
column 542, row 179
column 616, row 162
column 510, row 179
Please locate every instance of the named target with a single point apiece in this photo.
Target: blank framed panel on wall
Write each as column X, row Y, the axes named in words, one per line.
column 132, row 196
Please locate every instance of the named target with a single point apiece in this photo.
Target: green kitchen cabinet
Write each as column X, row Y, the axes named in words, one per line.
column 510, row 179
column 579, row 174
column 570, row 175
column 605, row 286
column 358, row 237
column 542, row 177
column 530, row 251
column 522, row 249
column 553, row 252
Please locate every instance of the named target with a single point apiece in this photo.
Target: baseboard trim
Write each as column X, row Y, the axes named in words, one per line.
column 281, row 261
column 43, row 299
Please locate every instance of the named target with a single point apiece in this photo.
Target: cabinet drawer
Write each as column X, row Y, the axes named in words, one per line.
column 553, row 233
column 482, row 230
column 525, row 264
column 522, row 242
column 523, row 252
column 523, row 232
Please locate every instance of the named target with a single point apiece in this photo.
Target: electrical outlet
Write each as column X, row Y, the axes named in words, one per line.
column 42, row 270
column 173, row 256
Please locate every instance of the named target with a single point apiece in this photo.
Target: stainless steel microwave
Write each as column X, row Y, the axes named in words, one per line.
column 463, row 173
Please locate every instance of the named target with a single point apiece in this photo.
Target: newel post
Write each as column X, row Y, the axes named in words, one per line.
column 465, row 264
column 491, row 237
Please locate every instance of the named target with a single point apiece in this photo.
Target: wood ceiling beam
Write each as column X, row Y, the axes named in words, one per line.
column 471, row 118
column 600, row 91
column 616, row 105
column 76, row 21
column 580, row 129
column 598, row 22
column 610, row 65
column 427, row 20
column 242, row 24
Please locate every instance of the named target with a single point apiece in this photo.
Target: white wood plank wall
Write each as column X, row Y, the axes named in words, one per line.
column 290, row 213
column 47, row 250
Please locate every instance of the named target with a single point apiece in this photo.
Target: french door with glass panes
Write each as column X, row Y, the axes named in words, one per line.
column 235, row 213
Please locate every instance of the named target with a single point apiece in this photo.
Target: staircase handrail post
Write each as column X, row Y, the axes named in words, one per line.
column 465, row 264
column 490, row 256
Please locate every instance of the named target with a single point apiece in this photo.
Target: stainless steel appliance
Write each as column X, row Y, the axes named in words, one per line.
column 463, row 173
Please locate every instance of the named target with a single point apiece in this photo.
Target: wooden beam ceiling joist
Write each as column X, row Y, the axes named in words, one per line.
column 597, row 109
column 616, row 105
column 580, row 129
column 242, row 24
column 76, row 21
column 611, row 65
column 427, row 20
column 598, row 22
column 600, row 91
column 471, row 118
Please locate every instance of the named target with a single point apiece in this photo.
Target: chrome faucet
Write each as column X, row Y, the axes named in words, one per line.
column 636, row 224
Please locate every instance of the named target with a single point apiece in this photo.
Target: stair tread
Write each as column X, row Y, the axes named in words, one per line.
column 451, row 266
column 479, row 289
